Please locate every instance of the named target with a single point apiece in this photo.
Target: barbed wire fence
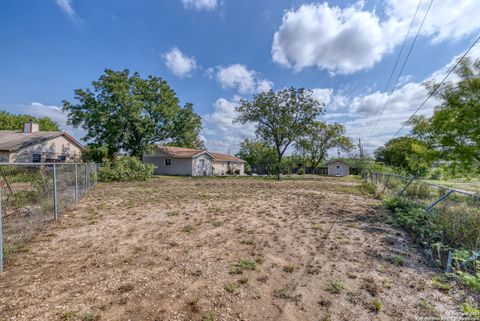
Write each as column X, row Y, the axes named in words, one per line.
column 456, row 210
column 35, row 194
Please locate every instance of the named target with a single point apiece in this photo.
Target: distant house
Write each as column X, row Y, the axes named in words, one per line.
column 169, row 160
column 338, row 168
column 224, row 164
column 34, row 146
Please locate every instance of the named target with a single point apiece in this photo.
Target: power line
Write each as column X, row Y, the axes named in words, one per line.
column 397, row 60
column 437, row 86
column 401, row 69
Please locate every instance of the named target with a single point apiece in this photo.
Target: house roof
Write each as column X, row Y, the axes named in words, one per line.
column 226, row 158
column 12, row 140
column 337, row 161
column 179, row 152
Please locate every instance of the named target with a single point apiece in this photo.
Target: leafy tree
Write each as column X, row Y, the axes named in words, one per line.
column 95, row 153
column 280, row 117
column 407, row 154
column 127, row 113
column 454, row 130
column 319, row 138
column 257, row 155
column 9, row 121
column 186, row 129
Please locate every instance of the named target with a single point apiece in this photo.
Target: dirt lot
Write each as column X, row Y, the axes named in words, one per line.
column 222, row 249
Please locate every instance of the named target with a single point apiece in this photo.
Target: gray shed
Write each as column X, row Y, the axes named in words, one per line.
column 338, row 168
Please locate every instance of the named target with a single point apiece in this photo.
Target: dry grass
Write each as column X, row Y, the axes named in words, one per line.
column 220, row 249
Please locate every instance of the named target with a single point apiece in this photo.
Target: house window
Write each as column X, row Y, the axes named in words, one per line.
column 62, row 158
column 37, row 158
column 168, row 162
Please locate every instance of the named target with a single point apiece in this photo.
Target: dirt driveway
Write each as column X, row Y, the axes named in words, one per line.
column 222, row 249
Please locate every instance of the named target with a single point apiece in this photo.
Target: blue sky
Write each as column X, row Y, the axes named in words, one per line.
column 214, row 52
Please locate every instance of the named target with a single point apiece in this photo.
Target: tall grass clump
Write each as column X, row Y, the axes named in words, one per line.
column 126, row 168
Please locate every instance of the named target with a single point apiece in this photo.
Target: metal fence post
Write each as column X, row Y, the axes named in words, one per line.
column 55, row 207
column 405, row 188
column 439, row 200
column 1, row 233
column 86, row 177
column 76, row 183
column 386, row 183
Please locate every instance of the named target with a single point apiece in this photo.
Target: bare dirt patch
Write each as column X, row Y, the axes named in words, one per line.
column 222, row 249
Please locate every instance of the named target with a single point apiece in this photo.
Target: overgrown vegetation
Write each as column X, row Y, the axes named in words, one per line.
column 454, row 228
column 127, row 168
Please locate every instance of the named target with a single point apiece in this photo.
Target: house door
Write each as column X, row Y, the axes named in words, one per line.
column 202, row 166
column 339, row 170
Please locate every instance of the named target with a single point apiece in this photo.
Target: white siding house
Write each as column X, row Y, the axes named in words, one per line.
column 170, row 160
column 338, row 168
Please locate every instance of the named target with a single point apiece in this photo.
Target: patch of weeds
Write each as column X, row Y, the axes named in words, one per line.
column 217, row 223
column 247, row 242
column 387, row 283
column 472, row 281
column 243, row 280
column 68, row 316
column 440, row 282
column 193, row 305
column 427, row 307
column 126, row 288
column 188, row 228
column 316, row 227
column 244, row 264
column 90, row 316
column 381, row 269
column 230, row 287
column 335, row 286
column 209, row 316
column 281, row 293
column 398, row 260
column 173, row 213
column 376, row 305
column 289, row 268
column 470, row 311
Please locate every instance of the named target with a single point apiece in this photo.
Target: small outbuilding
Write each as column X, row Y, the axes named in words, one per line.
column 338, row 168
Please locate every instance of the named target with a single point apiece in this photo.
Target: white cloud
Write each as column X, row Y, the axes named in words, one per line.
column 179, row 64
column 245, row 81
column 346, row 40
column 67, row 7
column 322, row 95
column 200, row 4
column 222, row 134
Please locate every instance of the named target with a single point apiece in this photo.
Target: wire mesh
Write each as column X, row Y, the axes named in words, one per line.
column 28, row 202
column 455, row 213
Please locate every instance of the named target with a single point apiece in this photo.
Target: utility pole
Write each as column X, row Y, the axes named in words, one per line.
column 360, row 147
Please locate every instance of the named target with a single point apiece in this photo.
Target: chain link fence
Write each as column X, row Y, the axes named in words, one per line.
column 36, row 194
column 454, row 212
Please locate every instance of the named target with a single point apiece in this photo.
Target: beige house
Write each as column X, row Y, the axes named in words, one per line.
column 225, row 164
column 338, row 168
column 169, row 160
column 34, row 146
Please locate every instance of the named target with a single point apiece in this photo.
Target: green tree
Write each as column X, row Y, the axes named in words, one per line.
column 280, row 117
column 186, row 129
column 128, row 113
column 9, row 121
column 257, row 155
column 454, row 128
column 407, row 154
column 319, row 138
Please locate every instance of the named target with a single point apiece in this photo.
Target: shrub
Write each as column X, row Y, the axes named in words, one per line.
column 237, row 171
column 125, row 169
column 301, row 171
